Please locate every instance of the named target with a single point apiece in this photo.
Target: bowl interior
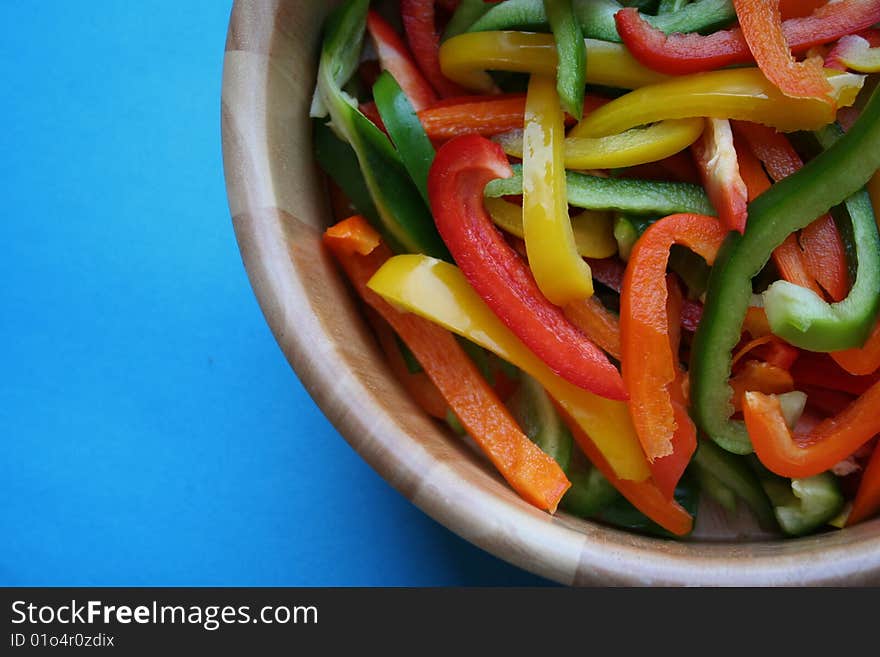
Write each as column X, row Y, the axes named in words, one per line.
column 279, row 209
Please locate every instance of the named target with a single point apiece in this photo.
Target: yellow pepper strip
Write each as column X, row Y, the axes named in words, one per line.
column 725, row 94
column 560, row 272
column 627, row 149
column 439, row 292
column 593, row 230
column 466, row 58
column 855, row 52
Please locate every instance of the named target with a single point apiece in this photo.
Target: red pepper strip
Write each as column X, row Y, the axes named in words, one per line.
column 645, row 495
column 596, row 322
column 679, row 54
column 823, row 256
column 779, row 353
column 667, row 470
column 483, row 115
column 808, row 453
column 867, row 500
column 761, row 26
column 417, row 384
column 424, row 41
column 798, row 8
column 648, row 364
column 461, row 169
column 820, row 370
column 759, row 377
column 396, row 59
column 832, row 59
column 529, row 471
column 825, row 401
column 716, row 161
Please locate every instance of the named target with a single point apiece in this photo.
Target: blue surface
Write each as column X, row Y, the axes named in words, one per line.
column 152, row 431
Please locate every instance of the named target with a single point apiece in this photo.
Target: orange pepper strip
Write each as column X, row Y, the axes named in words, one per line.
column 761, row 25
column 645, row 495
column 417, row 384
column 761, row 377
column 822, row 260
column 648, row 364
column 667, row 470
column 530, row 472
column 597, row 323
column 867, row 500
column 808, row 453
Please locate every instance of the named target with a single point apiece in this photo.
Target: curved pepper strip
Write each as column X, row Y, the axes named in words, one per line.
column 761, row 25
column 439, row 292
column 466, row 58
column 560, row 272
column 405, row 219
column 679, row 54
column 821, row 184
column 818, row 450
column 857, row 53
column 649, row 365
column 396, row 59
column 805, row 320
column 630, row 148
column 461, row 170
column 529, row 471
column 822, row 262
column 729, row 94
column 593, row 231
column 424, row 41
column 657, row 197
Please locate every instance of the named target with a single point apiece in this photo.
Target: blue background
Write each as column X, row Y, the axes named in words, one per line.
column 152, row 431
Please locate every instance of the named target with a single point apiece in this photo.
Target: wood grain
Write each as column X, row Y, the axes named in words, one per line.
column 279, row 209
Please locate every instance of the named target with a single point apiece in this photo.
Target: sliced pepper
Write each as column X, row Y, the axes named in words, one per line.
column 534, row 412
column 466, row 58
column 466, row 14
column 729, row 94
column 405, row 219
column 802, row 505
column 655, row 197
column 403, row 126
column 825, row 181
column 395, row 58
column 424, row 41
column 571, row 55
column 761, row 25
column 805, row 320
column 718, row 165
column 597, row 17
column 460, row 172
column 679, row 54
column 855, row 52
column 649, row 366
column 439, row 292
column 629, row 148
column 480, row 115
column 559, row 271
column 596, row 322
column 593, row 236
column 529, row 471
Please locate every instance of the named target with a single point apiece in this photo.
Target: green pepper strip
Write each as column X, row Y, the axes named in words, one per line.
column 404, row 218
column 571, row 54
column 670, row 6
column 789, row 205
column 621, row 194
column 466, row 14
column 405, row 129
column 339, row 161
column 802, row 318
column 734, row 473
column 802, row 505
column 535, row 414
column 596, row 17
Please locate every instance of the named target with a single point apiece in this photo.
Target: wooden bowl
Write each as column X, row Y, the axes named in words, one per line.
column 279, row 210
